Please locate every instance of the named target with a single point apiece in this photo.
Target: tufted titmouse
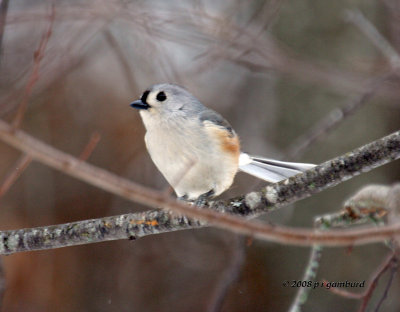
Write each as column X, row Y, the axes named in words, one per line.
column 195, row 148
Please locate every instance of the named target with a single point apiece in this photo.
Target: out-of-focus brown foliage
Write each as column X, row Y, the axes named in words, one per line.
column 272, row 68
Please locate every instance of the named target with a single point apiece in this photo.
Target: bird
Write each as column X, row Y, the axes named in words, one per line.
column 195, row 148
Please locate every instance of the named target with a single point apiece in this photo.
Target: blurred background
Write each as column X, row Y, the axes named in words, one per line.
column 275, row 69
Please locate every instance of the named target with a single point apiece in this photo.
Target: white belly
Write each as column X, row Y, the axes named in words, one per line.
column 191, row 169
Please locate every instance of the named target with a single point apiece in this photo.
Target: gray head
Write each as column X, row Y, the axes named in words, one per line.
column 168, row 100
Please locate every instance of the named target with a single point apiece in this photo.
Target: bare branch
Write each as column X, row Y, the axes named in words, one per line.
column 132, row 226
column 351, row 214
column 3, row 15
column 394, row 265
column 34, row 77
column 344, row 293
column 125, row 66
column 89, row 148
column 332, row 121
column 15, row 173
column 279, row 59
column 369, row 30
column 271, row 197
column 3, row 283
column 310, row 274
column 229, row 275
column 129, row 226
column 277, row 195
column 390, row 261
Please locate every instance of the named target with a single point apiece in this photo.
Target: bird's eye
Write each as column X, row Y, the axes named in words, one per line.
column 161, row 96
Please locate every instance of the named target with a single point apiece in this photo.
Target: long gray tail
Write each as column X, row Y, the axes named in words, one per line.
column 269, row 169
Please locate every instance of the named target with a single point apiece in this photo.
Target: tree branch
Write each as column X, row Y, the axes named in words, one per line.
column 271, row 197
column 22, row 163
column 128, row 226
column 333, row 119
column 370, row 31
column 390, row 261
column 34, row 77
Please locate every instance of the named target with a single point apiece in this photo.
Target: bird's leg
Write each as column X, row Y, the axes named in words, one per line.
column 184, row 198
column 199, row 201
column 202, row 199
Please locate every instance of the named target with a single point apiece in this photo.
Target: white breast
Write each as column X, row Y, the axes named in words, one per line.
column 188, row 157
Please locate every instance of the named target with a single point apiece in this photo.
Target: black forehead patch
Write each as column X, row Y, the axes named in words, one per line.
column 144, row 96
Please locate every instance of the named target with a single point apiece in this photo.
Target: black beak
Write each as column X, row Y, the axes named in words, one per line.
column 140, row 105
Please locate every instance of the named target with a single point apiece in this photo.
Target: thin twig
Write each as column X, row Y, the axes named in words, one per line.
column 332, row 121
column 309, row 275
column 394, row 265
column 366, row 206
column 89, row 148
column 389, row 262
column 92, row 17
column 344, row 293
column 370, row 31
column 282, row 60
column 125, row 66
column 272, row 55
column 228, row 275
column 386, row 264
column 34, row 77
column 3, row 283
column 3, row 16
column 15, row 173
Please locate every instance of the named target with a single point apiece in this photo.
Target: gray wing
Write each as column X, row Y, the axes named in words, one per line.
column 215, row 118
